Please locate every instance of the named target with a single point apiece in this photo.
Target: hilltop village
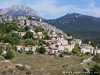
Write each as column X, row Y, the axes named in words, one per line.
column 29, row 34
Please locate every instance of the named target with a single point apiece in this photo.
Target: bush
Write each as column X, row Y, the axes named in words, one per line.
column 1, row 49
column 28, row 73
column 9, row 55
column 95, row 70
column 28, row 35
column 28, row 42
column 66, row 53
column 47, row 37
column 87, row 53
column 61, row 55
column 1, row 52
column 29, row 52
column 96, row 58
column 76, row 49
column 69, row 40
column 41, row 50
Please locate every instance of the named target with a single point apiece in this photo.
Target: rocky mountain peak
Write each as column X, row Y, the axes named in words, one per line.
column 19, row 10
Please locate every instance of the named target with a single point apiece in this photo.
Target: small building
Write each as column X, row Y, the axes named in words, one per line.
column 21, row 33
column 27, row 22
column 25, row 48
column 33, row 48
column 77, row 41
column 48, row 50
column 53, row 49
column 61, row 48
column 97, row 51
column 38, row 36
column 87, row 48
column 53, row 35
column 62, row 42
column 19, row 48
column 70, row 47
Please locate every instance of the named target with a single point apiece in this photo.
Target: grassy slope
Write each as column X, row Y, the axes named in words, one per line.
column 45, row 64
column 49, row 65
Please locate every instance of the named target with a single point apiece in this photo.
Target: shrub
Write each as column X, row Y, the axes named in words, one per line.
column 28, row 73
column 95, row 70
column 28, row 42
column 76, row 49
column 29, row 52
column 87, row 53
column 69, row 40
column 61, row 55
column 1, row 52
column 96, row 58
column 41, row 50
column 1, row 49
column 9, row 55
column 28, row 35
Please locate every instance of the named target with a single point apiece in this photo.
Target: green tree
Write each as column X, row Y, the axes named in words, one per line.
column 29, row 52
column 7, row 38
column 93, row 44
column 47, row 37
column 36, row 43
column 76, row 49
column 41, row 50
column 26, row 28
column 15, row 41
column 69, row 40
column 11, row 26
column 29, row 42
column 9, row 47
column 28, row 35
column 39, row 29
column 1, row 52
column 95, row 70
column 9, row 55
column 12, row 40
column 15, row 35
column 1, row 49
column 47, row 44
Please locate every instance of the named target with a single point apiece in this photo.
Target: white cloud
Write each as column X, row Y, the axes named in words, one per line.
column 8, row 3
column 50, row 7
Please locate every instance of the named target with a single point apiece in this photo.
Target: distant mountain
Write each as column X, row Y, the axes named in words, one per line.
column 78, row 25
column 19, row 10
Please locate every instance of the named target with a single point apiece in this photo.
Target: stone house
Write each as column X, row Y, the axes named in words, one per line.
column 39, row 35
column 77, row 41
column 26, row 48
column 86, row 48
column 53, row 49
column 21, row 33
column 70, row 47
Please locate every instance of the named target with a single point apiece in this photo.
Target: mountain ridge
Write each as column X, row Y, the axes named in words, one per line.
column 81, row 26
column 19, row 10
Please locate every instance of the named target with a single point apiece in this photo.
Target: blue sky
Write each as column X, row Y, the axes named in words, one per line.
column 51, row 9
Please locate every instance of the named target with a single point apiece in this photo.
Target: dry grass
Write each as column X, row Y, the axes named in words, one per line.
column 47, row 65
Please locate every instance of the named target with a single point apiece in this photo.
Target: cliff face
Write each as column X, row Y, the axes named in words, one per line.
column 22, row 21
